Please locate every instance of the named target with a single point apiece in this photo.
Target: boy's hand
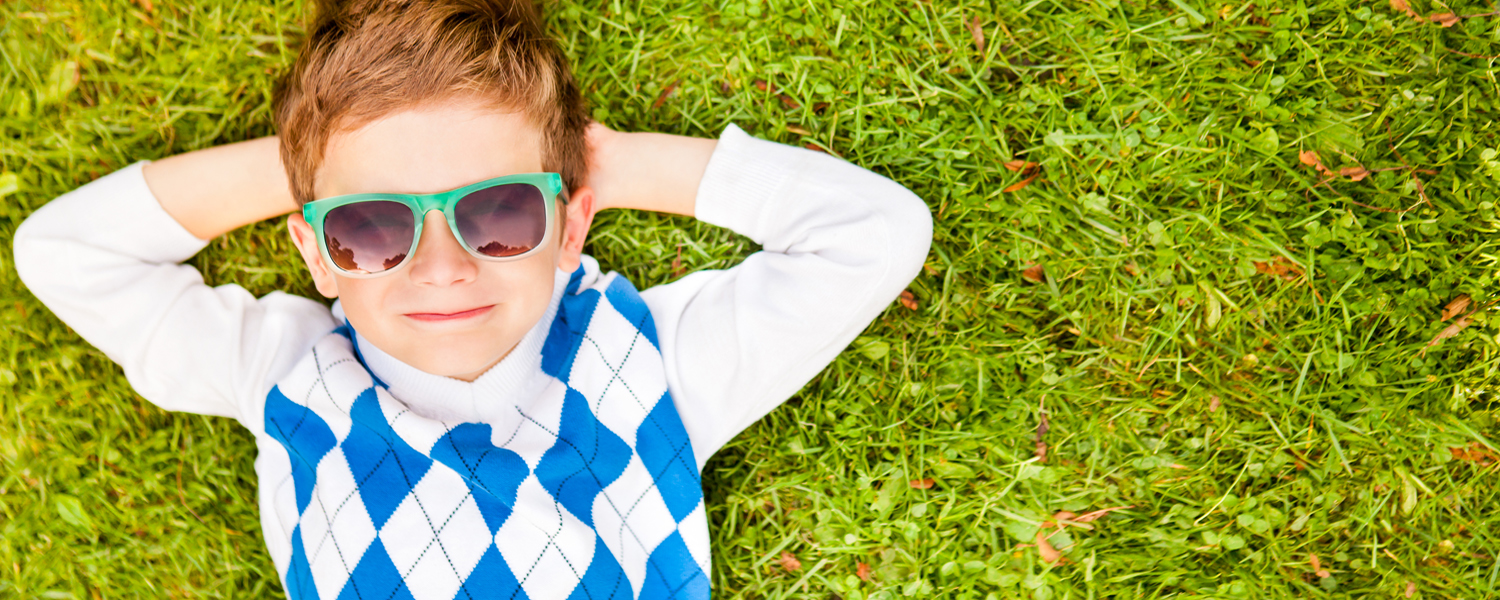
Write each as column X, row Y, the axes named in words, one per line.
column 646, row 171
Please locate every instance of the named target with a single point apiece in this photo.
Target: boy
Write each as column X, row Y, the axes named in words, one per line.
column 482, row 412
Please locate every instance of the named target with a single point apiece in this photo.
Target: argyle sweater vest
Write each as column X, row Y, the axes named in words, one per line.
column 589, row 491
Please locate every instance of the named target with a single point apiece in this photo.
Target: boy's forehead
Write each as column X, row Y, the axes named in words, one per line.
column 430, row 148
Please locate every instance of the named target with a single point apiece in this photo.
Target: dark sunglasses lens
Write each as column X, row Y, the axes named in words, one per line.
column 369, row 237
column 505, row 220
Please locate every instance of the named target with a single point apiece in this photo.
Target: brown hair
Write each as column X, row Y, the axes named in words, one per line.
column 364, row 59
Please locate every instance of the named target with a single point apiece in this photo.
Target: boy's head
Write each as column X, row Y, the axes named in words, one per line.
column 425, row 96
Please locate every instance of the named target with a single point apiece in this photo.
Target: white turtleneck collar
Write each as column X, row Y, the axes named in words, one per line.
column 490, row 398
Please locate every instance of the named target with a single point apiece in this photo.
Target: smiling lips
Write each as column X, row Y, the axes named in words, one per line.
column 440, row 317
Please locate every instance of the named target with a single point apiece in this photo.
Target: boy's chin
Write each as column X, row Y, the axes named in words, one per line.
column 462, row 366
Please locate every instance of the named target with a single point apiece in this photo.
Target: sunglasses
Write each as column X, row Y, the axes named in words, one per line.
column 500, row 219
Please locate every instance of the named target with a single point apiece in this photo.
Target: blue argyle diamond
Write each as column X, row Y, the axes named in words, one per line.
column 672, row 573
column 304, row 435
column 375, row 577
column 623, row 297
column 384, row 466
column 299, row 579
column 605, row 579
column 491, row 578
column 586, row 458
column 493, row 474
column 662, row 443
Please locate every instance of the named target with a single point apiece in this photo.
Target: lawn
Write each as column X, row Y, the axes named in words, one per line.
column 1223, row 271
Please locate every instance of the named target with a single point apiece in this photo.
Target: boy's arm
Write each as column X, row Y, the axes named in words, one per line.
column 104, row 258
column 839, row 243
column 217, row 190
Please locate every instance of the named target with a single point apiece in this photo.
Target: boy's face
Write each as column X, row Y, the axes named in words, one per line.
column 445, row 312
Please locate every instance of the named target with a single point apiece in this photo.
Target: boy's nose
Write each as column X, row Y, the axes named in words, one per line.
column 440, row 260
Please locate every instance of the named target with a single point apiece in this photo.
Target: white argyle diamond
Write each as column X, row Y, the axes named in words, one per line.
column 694, row 529
column 546, row 547
column 536, row 431
column 336, row 529
column 436, row 535
column 632, row 519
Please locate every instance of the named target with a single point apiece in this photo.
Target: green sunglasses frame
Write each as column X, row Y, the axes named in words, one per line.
column 550, row 184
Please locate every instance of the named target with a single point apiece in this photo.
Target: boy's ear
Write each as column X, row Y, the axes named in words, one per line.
column 575, row 227
column 307, row 246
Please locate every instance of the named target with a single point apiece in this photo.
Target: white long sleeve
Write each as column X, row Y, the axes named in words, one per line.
column 105, row 258
column 839, row 243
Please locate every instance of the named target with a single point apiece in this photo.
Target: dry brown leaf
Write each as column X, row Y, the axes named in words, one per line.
column 789, row 562
column 1457, row 306
column 667, row 91
column 1476, row 453
column 760, row 84
column 818, row 148
column 798, row 130
column 1402, row 6
column 1044, row 547
column 1090, row 517
column 909, row 300
column 1311, row 159
column 1019, row 165
column 1022, row 183
column 1411, row 589
column 1318, row 566
column 677, row 270
column 1279, row 267
column 146, row 6
column 922, row 484
column 788, row 101
column 1213, row 403
column 1063, row 518
column 862, row 571
column 1444, row 19
column 977, row 32
column 1355, row 173
column 1035, row 273
column 1448, row 332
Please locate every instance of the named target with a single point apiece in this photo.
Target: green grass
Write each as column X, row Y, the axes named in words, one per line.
column 1168, row 134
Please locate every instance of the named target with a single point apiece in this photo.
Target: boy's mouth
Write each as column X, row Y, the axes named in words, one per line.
column 439, row 317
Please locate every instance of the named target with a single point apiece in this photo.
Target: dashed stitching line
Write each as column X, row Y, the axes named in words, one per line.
column 615, row 372
column 557, row 508
column 411, row 486
column 327, row 533
column 327, row 518
column 441, row 546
